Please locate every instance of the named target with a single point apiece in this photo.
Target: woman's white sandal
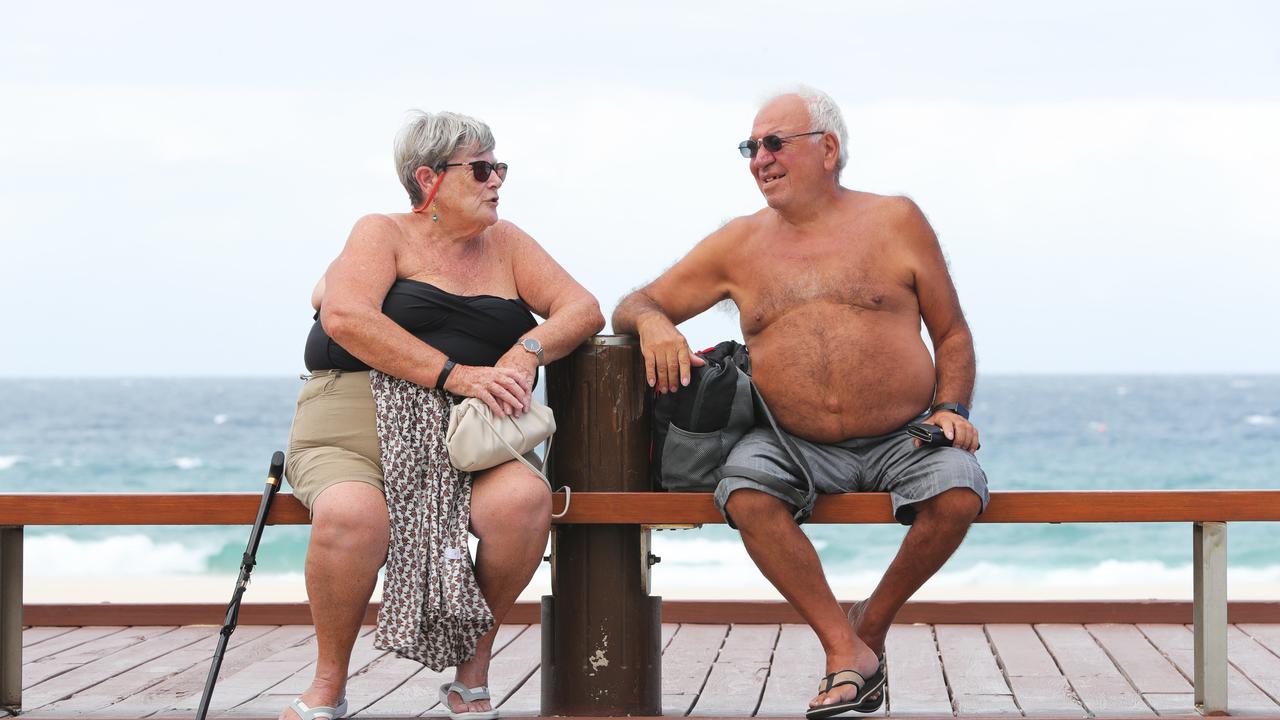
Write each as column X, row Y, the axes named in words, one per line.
column 468, row 695
column 322, row 712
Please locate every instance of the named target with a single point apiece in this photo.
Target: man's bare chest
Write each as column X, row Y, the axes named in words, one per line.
column 864, row 279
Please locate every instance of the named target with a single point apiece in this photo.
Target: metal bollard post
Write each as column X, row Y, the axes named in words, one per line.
column 601, row 630
column 10, row 618
column 1209, row 611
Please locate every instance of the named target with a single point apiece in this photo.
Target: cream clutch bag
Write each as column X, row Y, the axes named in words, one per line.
column 476, row 440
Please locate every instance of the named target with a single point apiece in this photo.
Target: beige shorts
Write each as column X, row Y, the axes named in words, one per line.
column 334, row 438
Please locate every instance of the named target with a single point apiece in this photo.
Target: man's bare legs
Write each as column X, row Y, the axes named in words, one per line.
column 940, row 524
column 348, row 544
column 511, row 515
column 787, row 558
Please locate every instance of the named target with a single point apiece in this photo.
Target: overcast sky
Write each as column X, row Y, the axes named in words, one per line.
column 174, row 177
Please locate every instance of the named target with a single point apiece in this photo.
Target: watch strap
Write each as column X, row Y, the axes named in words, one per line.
column 956, row 408
column 449, row 365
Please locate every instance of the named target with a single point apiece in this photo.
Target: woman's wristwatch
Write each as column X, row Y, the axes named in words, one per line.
column 533, row 346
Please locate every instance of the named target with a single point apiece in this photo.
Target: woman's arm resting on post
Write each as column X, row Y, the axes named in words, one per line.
column 572, row 314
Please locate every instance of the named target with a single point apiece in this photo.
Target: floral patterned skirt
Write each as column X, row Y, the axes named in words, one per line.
column 432, row 608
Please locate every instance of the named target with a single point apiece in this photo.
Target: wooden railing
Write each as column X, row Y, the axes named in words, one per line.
column 662, row 508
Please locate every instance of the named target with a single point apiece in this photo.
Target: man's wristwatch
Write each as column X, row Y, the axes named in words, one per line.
column 533, row 346
column 956, row 408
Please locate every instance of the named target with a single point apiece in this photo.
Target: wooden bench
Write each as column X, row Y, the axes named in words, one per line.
column 1208, row 511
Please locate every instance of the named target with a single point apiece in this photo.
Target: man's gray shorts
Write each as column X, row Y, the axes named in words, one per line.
column 888, row 463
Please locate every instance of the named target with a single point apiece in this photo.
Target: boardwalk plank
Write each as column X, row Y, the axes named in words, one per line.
column 1267, row 635
column 916, row 684
column 527, row 701
column 126, row 695
column 977, row 685
column 668, row 632
column 1038, row 686
column 273, row 699
column 378, row 679
column 1148, row 671
column 33, row 635
column 1097, row 682
column 686, row 663
column 1175, row 704
column 798, row 661
column 125, row 686
column 114, row 660
column 180, row 694
column 737, row 676
column 1176, row 642
column 1256, row 662
column 77, row 637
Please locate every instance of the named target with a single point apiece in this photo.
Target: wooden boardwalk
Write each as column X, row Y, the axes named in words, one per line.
column 1045, row 670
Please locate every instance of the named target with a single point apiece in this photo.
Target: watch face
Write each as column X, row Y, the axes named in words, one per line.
column 531, row 344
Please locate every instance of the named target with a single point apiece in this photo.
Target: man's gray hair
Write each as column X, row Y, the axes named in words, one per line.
column 824, row 116
column 430, row 139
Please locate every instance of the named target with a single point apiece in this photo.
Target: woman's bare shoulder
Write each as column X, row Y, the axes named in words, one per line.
column 379, row 225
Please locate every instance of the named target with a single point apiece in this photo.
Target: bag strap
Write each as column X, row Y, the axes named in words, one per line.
column 788, row 445
column 515, row 454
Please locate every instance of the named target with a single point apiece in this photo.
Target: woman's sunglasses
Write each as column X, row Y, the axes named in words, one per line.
column 481, row 169
column 772, row 143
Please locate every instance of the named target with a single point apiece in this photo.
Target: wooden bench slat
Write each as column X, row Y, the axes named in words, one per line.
column 660, row 508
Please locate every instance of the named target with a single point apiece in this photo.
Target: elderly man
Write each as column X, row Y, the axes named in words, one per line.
column 831, row 285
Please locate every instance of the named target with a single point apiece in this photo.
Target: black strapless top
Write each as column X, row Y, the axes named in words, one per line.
column 470, row 329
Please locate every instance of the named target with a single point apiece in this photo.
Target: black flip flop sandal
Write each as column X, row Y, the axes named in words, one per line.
column 863, row 700
column 875, row 700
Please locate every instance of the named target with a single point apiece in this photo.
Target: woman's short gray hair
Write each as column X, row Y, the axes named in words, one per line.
column 430, row 139
column 824, row 116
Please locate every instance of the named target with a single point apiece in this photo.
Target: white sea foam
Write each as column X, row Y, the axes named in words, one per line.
column 701, row 565
column 1261, row 420
column 133, row 555
column 8, row 461
column 219, row 419
column 188, row 463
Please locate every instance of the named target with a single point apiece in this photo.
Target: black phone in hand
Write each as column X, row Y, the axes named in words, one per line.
column 928, row 434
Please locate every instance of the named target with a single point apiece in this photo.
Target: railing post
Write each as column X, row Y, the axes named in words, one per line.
column 1210, row 616
column 11, row 618
column 601, row 630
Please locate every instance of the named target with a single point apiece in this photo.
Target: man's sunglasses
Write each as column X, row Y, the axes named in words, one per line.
column 481, row 169
column 772, row 143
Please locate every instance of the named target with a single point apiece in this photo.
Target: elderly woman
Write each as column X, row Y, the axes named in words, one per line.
column 440, row 297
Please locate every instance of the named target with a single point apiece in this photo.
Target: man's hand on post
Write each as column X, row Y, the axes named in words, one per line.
column 667, row 357
column 960, row 431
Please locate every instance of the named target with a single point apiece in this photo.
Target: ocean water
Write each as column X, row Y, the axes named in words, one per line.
column 1038, row 433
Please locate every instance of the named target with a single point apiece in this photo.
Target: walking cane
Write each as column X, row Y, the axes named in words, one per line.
column 246, row 568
